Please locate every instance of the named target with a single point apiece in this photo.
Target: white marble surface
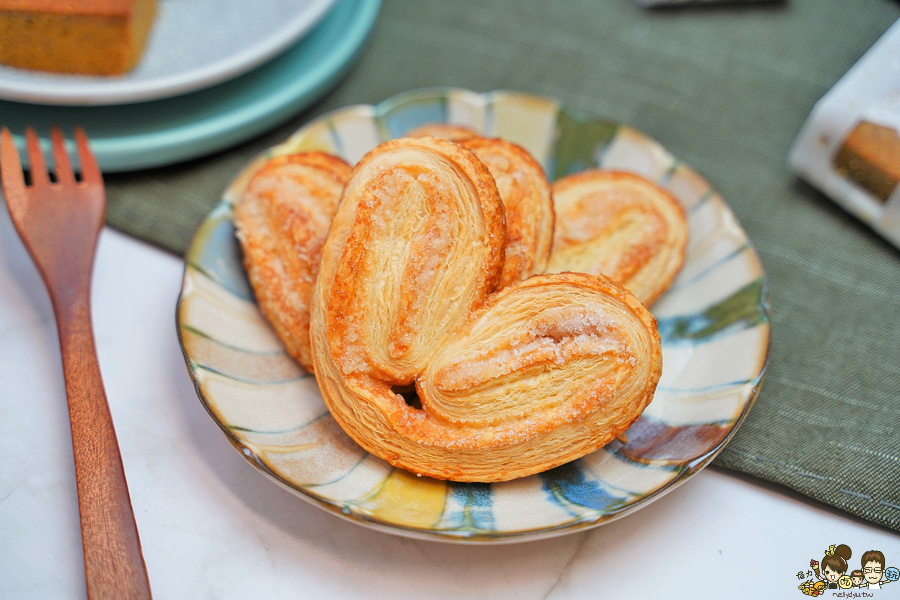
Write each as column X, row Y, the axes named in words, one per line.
column 212, row 527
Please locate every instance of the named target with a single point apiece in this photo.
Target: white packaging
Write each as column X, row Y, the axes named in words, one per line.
column 868, row 92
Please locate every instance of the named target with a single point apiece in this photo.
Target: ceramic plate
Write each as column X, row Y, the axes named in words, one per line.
column 193, row 44
column 151, row 134
column 713, row 321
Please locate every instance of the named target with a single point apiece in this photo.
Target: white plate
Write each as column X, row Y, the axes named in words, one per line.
column 193, row 44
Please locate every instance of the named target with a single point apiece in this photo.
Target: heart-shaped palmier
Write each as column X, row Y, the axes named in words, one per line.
column 507, row 385
column 620, row 225
column 282, row 219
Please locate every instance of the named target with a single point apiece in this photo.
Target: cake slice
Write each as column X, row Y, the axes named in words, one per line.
column 89, row 37
column 870, row 157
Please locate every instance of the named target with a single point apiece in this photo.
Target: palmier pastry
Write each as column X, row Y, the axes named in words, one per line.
column 527, row 203
column 425, row 369
column 619, row 225
column 455, row 133
column 282, row 219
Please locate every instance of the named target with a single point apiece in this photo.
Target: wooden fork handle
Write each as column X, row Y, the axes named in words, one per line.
column 114, row 564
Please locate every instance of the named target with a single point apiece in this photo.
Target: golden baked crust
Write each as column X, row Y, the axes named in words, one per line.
column 455, row 133
column 527, row 202
column 282, row 220
column 512, row 384
column 620, row 225
column 92, row 37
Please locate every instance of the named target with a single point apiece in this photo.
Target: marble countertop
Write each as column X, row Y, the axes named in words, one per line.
column 213, row 527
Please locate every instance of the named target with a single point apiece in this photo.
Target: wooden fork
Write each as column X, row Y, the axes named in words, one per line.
column 59, row 224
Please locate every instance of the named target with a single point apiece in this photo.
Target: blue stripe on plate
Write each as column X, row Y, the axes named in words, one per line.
column 476, row 507
column 566, row 485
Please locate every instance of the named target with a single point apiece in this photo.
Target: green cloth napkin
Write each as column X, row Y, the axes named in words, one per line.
column 725, row 88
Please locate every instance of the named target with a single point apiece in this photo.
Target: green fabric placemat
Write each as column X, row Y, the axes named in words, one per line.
column 725, row 88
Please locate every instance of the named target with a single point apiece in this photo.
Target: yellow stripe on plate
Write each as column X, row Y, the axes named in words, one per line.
column 409, row 501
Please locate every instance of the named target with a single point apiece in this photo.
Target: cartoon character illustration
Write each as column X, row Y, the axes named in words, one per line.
column 873, row 570
column 834, row 565
column 845, row 582
column 857, row 577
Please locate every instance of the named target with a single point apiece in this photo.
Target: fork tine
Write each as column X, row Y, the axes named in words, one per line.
column 90, row 172
column 64, row 174
column 38, row 167
column 11, row 169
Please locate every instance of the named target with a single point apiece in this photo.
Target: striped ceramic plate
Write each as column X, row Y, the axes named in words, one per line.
column 714, row 324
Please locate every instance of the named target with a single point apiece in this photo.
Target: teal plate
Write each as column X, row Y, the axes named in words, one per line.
column 713, row 321
column 152, row 134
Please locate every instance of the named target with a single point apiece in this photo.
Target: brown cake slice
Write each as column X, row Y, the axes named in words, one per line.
column 870, row 157
column 90, row 37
